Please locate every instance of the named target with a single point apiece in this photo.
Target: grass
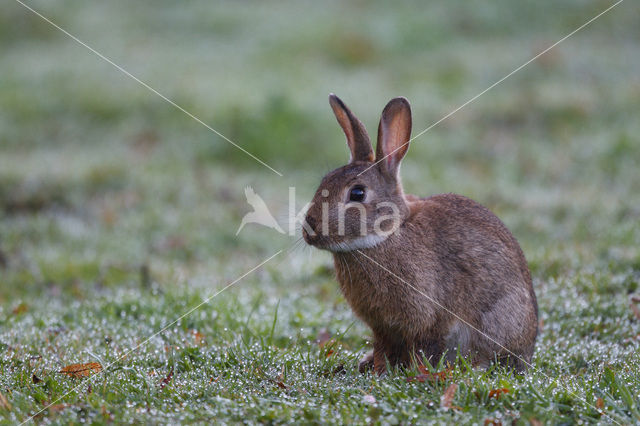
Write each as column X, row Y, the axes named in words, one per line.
column 118, row 212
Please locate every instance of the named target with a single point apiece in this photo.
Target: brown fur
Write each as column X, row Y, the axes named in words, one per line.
column 450, row 269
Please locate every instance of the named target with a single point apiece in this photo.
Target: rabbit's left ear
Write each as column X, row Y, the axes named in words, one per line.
column 394, row 133
column 357, row 136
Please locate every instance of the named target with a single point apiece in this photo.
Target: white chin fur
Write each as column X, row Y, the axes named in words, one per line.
column 364, row 242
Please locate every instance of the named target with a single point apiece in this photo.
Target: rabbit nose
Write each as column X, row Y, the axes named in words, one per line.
column 311, row 222
column 309, row 230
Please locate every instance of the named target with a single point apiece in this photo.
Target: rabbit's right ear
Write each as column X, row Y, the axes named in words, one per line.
column 394, row 133
column 357, row 136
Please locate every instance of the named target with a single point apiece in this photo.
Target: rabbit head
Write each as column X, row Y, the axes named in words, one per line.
column 361, row 204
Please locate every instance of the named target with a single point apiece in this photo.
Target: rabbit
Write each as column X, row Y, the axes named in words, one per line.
column 432, row 277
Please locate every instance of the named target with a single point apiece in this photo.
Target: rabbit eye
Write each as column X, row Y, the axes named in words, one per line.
column 357, row 193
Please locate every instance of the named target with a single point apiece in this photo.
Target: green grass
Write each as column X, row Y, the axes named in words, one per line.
column 118, row 213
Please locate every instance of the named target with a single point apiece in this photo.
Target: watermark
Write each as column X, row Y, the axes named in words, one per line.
column 328, row 218
column 260, row 214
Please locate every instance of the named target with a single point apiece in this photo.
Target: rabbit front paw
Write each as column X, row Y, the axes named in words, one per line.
column 366, row 363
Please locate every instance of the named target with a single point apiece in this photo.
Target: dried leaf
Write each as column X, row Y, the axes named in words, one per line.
column 279, row 380
column 35, row 379
column 496, row 393
column 167, row 379
column 323, row 337
column 58, row 407
column 429, row 376
column 4, row 403
column 20, row 309
column 82, row 370
column 446, row 399
column 199, row 337
column 324, row 340
column 493, row 422
column 442, row 375
column 106, row 414
column 422, row 378
column 600, row 403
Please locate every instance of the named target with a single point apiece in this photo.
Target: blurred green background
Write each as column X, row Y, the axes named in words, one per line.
column 549, row 148
column 101, row 178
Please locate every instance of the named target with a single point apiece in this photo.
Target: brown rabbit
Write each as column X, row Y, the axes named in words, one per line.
column 430, row 276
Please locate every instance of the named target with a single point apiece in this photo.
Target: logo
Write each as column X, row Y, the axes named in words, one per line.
column 260, row 214
column 385, row 211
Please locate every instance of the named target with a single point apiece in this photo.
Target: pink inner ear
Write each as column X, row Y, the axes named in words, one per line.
column 395, row 138
column 394, row 132
column 346, row 127
column 391, row 162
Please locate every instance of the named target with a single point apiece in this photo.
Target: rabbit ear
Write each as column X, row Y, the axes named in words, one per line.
column 357, row 136
column 394, row 133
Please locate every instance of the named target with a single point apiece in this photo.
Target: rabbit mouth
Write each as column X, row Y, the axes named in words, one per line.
column 363, row 242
